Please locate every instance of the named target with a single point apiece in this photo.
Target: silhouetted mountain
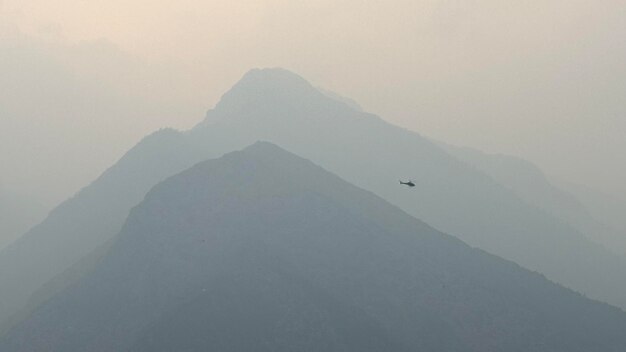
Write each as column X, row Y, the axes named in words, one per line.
column 281, row 107
column 451, row 195
column 262, row 250
column 17, row 215
column 532, row 185
column 87, row 221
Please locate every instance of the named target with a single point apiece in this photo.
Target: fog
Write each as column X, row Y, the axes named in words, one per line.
column 271, row 214
column 83, row 81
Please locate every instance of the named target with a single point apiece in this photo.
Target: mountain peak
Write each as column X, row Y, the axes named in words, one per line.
column 275, row 85
column 276, row 94
column 275, row 77
column 264, row 147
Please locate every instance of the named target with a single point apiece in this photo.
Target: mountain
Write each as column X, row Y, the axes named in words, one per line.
column 17, row 215
column 451, row 195
column 608, row 208
column 262, row 250
column 84, row 223
column 533, row 186
column 283, row 108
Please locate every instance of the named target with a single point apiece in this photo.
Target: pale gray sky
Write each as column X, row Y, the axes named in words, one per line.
column 82, row 81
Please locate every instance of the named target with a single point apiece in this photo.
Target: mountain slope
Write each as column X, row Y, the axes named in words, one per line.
column 281, row 107
column 17, row 215
column 451, row 195
column 83, row 223
column 532, row 185
column 318, row 264
column 608, row 208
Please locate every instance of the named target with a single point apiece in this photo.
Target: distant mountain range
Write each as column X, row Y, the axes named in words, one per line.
column 17, row 215
column 608, row 208
column 589, row 213
column 278, row 106
column 261, row 250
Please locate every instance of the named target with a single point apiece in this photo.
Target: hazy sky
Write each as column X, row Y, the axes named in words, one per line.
column 82, row 81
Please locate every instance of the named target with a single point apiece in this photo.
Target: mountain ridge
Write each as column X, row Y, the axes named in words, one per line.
column 450, row 195
column 530, row 183
column 318, row 265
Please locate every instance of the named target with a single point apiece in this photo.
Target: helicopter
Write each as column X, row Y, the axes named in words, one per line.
column 409, row 183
